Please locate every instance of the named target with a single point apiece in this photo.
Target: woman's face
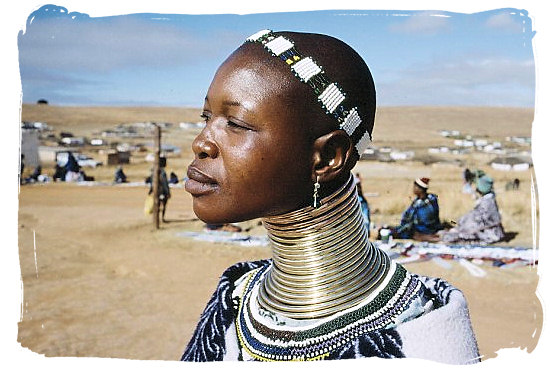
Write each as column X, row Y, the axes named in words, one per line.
column 417, row 191
column 253, row 158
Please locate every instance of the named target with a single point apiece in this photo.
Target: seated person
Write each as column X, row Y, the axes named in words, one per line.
column 421, row 220
column 120, row 176
column 72, row 169
column 59, row 173
column 35, row 174
column 483, row 224
column 365, row 210
column 173, row 178
column 287, row 116
column 83, row 177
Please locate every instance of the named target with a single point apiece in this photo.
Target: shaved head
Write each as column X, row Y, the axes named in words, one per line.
column 269, row 136
column 340, row 63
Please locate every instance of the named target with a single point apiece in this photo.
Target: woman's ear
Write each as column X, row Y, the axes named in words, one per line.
column 331, row 153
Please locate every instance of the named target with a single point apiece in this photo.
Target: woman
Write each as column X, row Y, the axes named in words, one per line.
column 421, row 220
column 287, row 115
column 365, row 210
column 483, row 224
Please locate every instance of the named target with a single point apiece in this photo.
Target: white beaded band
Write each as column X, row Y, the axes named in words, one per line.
column 351, row 121
column 306, row 68
column 256, row 36
column 331, row 97
column 279, row 45
column 363, row 143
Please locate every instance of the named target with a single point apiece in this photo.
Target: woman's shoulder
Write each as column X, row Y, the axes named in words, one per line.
column 231, row 280
column 236, row 271
column 432, row 197
column 444, row 332
column 208, row 340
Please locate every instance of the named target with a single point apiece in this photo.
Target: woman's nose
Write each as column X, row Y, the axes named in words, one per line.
column 204, row 147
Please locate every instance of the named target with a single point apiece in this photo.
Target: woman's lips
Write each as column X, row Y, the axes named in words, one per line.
column 199, row 183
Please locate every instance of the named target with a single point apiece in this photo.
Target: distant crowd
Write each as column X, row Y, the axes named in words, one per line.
column 70, row 171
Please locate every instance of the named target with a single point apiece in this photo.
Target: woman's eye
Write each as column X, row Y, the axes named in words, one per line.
column 205, row 117
column 232, row 124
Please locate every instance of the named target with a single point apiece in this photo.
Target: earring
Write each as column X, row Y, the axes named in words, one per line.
column 316, row 187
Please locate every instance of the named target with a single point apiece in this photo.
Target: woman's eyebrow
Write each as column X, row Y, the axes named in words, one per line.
column 243, row 106
column 229, row 103
column 232, row 103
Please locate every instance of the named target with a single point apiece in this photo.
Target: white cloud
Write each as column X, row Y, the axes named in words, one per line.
column 421, row 23
column 106, row 44
column 497, row 82
column 504, row 21
column 472, row 73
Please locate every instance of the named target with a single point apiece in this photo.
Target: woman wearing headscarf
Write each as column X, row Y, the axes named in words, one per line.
column 483, row 224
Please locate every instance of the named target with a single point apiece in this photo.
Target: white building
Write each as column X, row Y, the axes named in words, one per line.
column 73, row 141
column 29, row 147
column 480, row 142
column 510, row 163
column 404, row 155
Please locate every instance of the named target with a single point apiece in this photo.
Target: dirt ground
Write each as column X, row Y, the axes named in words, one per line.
column 99, row 281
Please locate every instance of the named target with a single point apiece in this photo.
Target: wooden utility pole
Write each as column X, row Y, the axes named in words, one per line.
column 156, row 177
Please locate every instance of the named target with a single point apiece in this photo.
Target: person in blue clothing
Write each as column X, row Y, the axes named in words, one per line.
column 421, row 220
column 72, row 168
column 365, row 210
column 120, row 176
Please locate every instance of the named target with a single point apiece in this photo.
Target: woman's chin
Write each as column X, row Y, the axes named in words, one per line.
column 210, row 213
column 215, row 214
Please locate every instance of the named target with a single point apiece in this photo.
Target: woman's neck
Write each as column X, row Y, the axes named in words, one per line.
column 323, row 261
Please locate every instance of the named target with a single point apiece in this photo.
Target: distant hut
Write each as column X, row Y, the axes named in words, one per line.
column 510, row 163
column 66, row 135
column 369, row 154
column 42, row 102
column 118, row 158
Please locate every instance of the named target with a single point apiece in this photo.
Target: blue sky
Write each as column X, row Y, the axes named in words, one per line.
column 416, row 57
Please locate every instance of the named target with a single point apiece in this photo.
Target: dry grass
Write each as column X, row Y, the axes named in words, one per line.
column 419, row 125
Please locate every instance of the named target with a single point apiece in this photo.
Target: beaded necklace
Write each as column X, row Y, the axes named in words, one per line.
column 272, row 340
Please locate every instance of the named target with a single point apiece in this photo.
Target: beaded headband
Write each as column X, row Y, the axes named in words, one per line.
column 329, row 94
